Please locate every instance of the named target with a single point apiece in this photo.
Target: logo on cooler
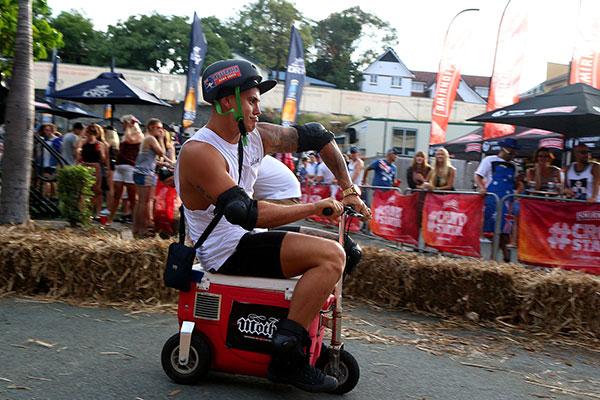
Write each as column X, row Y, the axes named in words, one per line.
column 257, row 325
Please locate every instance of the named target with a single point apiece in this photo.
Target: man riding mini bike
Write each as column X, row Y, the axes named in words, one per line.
column 216, row 171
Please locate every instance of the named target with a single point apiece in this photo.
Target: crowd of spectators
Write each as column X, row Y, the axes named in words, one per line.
column 132, row 162
column 126, row 169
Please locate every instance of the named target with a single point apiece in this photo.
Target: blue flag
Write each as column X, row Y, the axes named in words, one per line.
column 294, row 80
column 51, row 88
column 195, row 61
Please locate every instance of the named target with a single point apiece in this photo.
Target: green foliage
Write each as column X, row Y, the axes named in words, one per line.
column 75, row 193
column 263, row 31
column 151, row 43
column 45, row 37
column 336, row 39
column 82, row 42
column 217, row 47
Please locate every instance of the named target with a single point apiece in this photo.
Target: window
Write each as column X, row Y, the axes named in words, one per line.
column 404, row 141
column 418, row 87
column 482, row 91
column 373, row 79
column 397, row 81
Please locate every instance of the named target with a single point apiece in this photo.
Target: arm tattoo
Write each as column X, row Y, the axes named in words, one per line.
column 203, row 192
column 278, row 139
column 334, row 160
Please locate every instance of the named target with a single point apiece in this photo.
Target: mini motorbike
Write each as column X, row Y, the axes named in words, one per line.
column 227, row 322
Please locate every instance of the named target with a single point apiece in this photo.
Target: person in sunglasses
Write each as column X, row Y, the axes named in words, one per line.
column 583, row 176
column 496, row 174
column 544, row 176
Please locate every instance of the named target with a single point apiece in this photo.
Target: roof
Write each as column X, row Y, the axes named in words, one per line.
column 280, row 75
column 388, row 64
column 431, row 77
column 479, row 81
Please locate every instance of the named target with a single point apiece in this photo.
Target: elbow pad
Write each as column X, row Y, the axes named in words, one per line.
column 238, row 208
column 312, row 136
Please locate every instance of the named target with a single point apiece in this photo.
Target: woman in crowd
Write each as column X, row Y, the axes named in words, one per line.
column 125, row 162
column 415, row 176
column 545, row 175
column 144, row 176
column 418, row 171
column 92, row 151
column 112, row 140
column 441, row 176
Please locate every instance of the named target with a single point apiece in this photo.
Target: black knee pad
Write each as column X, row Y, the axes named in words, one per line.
column 353, row 254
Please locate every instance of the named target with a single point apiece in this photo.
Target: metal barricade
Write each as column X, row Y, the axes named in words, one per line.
column 462, row 192
column 498, row 226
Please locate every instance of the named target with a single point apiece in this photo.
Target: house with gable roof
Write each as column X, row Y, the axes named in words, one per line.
column 389, row 75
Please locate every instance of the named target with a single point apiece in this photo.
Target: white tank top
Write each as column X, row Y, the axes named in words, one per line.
column 221, row 243
column 276, row 181
column 582, row 183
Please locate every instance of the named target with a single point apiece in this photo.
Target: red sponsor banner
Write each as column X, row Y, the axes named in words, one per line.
column 510, row 52
column 448, row 78
column 452, row 223
column 560, row 234
column 585, row 65
column 395, row 216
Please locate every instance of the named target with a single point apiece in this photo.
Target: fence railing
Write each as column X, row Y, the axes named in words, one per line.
column 422, row 245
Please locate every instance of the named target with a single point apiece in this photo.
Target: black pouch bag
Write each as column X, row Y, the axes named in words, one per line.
column 180, row 259
column 178, row 272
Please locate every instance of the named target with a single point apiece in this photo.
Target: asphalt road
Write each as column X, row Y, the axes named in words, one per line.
column 59, row 351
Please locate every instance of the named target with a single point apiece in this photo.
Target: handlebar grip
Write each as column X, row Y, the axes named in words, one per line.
column 327, row 211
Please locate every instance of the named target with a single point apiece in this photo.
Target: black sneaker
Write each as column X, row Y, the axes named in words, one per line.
column 126, row 219
column 307, row 378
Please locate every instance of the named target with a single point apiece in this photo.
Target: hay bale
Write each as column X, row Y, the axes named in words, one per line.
column 100, row 268
column 78, row 264
column 556, row 301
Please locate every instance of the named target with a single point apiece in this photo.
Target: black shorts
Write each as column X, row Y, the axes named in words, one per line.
column 257, row 254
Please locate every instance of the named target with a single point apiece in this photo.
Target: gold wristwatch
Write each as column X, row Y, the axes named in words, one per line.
column 353, row 189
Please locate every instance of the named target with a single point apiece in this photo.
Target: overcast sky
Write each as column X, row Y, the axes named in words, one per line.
column 421, row 26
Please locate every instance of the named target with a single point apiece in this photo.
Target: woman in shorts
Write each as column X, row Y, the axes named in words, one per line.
column 144, row 176
column 123, row 174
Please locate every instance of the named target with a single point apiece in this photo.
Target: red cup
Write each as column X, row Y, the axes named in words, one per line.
column 103, row 219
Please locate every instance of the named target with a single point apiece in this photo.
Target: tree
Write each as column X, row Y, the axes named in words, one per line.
column 150, row 42
column 217, row 48
column 263, row 31
column 336, row 40
column 44, row 36
column 82, row 42
column 18, row 144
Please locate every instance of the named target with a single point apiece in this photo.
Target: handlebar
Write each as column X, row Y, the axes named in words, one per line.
column 348, row 210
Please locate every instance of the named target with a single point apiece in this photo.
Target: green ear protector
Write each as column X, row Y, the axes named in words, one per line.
column 237, row 114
